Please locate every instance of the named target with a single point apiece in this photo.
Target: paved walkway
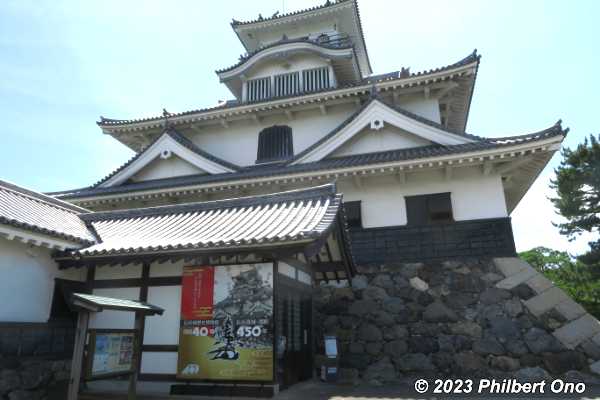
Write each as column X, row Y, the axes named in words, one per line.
column 315, row 390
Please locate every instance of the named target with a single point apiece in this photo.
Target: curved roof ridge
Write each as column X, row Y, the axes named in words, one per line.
column 473, row 57
column 331, row 163
column 179, row 138
column 354, row 115
column 328, row 3
column 550, row 131
column 245, row 58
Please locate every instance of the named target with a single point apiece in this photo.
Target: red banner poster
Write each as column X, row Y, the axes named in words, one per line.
column 227, row 323
column 197, row 293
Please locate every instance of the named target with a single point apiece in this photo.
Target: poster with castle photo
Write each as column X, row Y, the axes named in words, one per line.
column 226, row 323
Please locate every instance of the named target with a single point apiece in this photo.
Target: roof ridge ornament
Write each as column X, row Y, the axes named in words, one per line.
column 373, row 93
column 166, row 115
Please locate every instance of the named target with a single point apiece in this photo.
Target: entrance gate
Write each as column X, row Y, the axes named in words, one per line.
column 294, row 331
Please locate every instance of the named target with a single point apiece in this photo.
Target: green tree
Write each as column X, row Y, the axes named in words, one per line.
column 577, row 185
column 579, row 280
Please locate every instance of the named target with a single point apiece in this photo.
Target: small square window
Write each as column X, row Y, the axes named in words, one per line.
column 429, row 209
column 353, row 214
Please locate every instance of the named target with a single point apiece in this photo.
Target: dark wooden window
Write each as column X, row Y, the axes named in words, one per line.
column 275, row 143
column 353, row 214
column 429, row 209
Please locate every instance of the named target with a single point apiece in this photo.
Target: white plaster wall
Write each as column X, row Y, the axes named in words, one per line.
column 159, row 363
column 473, row 195
column 115, row 319
column 164, row 329
column 27, row 276
column 160, row 168
column 239, row 142
column 166, row 269
column 119, row 272
column 295, row 62
column 387, row 138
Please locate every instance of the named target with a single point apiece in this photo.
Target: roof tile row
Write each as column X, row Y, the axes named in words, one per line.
column 32, row 211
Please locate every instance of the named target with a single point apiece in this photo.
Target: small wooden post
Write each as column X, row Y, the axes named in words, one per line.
column 76, row 365
column 137, row 355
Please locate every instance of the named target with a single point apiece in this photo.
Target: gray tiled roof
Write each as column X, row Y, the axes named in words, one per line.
column 109, row 303
column 275, row 169
column 35, row 212
column 232, row 104
column 267, row 220
column 395, row 108
column 328, row 3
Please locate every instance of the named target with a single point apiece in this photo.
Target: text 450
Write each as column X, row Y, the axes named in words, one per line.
column 249, row 331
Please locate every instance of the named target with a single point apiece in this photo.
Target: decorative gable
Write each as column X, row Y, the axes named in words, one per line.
column 166, row 167
column 170, row 155
column 380, row 138
column 374, row 116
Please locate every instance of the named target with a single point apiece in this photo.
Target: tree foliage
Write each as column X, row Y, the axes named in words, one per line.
column 579, row 280
column 577, row 185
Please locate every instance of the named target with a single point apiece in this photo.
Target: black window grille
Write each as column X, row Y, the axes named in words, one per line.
column 275, row 143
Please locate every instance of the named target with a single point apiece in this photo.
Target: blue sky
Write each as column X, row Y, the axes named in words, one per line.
column 65, row 63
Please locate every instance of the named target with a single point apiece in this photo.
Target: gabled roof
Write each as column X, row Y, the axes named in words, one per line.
column 281, row 18
column 328, row 164
column 35, row 212
column 328, row 3
column 294, row 217
column 163, row 145
column 246, row 58
column 392, row 78
column 376, row 110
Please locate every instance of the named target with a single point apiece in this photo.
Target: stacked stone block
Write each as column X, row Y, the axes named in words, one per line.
column 476, row 318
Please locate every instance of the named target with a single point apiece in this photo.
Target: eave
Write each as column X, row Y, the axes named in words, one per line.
column 37, row 238
column 502, row 154
column 288, row 47
column 329, row 7
column 344, row 56
column 127, row 130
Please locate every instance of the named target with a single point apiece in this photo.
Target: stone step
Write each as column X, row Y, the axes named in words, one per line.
column 510, row 265
column 515, row 280
column 570, row 309
column 539, row 283
column 545, row 301
column 575, row 332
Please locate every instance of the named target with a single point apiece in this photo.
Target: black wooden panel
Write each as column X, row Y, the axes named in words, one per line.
column 475, row 238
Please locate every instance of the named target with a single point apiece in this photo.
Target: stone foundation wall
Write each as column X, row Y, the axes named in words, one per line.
column 33, row 378
column 476, row 318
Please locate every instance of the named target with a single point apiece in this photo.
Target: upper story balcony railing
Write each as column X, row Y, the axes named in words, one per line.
column 331, row 40
column 297, row 82
column 337, row 40
column 289, row 84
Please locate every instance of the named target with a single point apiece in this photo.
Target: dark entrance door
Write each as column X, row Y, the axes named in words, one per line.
column 294, row 331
